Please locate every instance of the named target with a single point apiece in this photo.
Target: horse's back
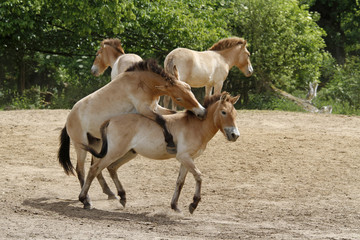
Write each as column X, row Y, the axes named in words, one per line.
column 194, row 67
column 123, row 63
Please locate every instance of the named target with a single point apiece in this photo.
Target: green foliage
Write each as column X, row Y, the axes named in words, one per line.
column 48, row 46
column 340, row 19
column 265, row 101
column 285, row 42
column 343, row 90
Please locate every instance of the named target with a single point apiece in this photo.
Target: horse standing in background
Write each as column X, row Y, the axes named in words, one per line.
column 111, row 54
column 209, row 68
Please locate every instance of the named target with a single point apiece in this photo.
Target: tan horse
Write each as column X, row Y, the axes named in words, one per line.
column 127, row 135
column 209, row 68
column 135, row 90
column 111, row 54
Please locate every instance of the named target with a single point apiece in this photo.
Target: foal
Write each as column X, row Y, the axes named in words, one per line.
column 127, row 135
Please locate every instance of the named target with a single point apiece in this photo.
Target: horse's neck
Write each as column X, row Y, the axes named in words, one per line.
column 113, row 57
column 229, row 56
column 208, row 125
column 151, row 80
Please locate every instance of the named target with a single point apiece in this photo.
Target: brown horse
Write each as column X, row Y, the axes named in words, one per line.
column 135, row 90
column 127, row 135
column 111, row 54
column 209, row 68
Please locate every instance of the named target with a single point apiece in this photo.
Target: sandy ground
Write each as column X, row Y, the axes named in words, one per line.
column 289, row 176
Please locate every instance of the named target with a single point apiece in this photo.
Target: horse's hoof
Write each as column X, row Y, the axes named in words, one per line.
column 87, row 206
column 123, row 202
column 171, row 150
column 192, row 208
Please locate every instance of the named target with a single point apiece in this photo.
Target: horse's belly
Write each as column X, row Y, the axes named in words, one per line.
column 154, row 151
column 151, row 144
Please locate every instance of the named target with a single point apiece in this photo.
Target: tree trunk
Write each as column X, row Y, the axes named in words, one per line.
column 305, row 104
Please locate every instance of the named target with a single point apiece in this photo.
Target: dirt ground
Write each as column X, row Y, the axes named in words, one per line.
column 289, row 176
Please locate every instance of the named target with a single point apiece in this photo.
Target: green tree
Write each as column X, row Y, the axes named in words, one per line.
column 341, row 21
column 38, row 36
column 285, row 42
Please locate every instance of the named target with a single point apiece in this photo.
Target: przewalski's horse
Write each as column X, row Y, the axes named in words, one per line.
column 111, row 54
column 135, row 90
column 127, row 135
column 209, row 68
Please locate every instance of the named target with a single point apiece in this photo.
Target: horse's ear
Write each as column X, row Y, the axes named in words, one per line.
column 175, row 72
column 223, row 96
column 233, row 100
column 243, row 45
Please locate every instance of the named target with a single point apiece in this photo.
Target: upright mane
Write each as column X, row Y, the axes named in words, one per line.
column 152, row 66
column 208, row 101
column 115, row 43
column 227, row 43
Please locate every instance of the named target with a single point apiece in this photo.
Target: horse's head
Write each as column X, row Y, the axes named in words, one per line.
column 225, row 116
column 110, row 50
column 243, row 62
column 180, row 92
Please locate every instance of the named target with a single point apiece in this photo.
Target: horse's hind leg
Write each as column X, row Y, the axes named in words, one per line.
column 96, row 144
column 179, row 184
column 103, row 184
column 113, row 173
column 146, row 111
column 80, row 170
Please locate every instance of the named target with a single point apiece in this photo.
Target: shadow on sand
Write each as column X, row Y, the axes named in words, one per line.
column 66, row 208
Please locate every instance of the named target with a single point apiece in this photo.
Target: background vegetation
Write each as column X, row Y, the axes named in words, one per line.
column 47, row 47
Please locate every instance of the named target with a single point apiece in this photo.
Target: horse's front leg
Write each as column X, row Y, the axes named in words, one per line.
column 163, row 111
column 149, row 112
column 179, row 184
column 217, row 87
column 188, row 162
column 208, row 90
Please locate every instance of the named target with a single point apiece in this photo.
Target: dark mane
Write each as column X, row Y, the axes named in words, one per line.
column 151, row 66
column 115, row 43
column 227, row 43
column 208, row 101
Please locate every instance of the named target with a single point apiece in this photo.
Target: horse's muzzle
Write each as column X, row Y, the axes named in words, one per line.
column 94, row 71
column 249, row 71
column 232, row 133
column 200, row 113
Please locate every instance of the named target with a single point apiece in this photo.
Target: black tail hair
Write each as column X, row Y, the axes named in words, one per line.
column 64, row 152
column 104, row 147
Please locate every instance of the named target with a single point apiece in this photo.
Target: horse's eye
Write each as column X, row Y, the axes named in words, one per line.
column 223, row 112
column 178, row 99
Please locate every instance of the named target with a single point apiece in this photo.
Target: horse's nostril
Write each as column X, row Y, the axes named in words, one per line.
column 234, row 136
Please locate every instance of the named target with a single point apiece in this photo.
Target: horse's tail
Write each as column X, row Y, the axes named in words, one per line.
column 104, row 147
column 64, row 152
